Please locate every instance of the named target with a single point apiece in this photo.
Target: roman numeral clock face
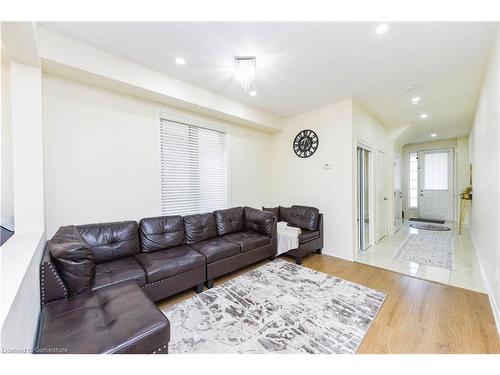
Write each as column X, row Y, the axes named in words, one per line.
column 305, row 143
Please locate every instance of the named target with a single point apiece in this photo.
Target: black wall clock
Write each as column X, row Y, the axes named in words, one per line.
column 305, row 143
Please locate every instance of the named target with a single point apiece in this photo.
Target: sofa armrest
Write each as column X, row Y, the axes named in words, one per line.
column 259, row 221
column 320, row 228
column 51, row 285
column 274, row 235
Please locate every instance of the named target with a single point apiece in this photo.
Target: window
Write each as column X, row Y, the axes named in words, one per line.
column 436, row 171
column 413, row 180
column 193, row 169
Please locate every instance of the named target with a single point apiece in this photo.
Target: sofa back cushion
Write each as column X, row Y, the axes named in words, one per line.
column 284, row 213
column 304, row 217
column 199, row 227
column 230, row 220
column 159, row 233
column 259, row 221
column 73, row 259
column 274, row 210
column 110, row 241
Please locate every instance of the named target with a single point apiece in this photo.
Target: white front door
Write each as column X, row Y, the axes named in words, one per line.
column 398, row 194
column 381, row 195
column 436, row 184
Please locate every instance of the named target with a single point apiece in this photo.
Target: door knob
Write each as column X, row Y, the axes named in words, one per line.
column 385, row 199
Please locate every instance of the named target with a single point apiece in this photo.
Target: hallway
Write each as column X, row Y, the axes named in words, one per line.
column 464, row 271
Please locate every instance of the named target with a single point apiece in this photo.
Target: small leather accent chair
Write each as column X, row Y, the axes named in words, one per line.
column 310, row 222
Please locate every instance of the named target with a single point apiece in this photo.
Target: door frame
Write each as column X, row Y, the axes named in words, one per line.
column 371, row 194
column 451, row 178
column 415, row 212
column 401, row 185
column 382, row 224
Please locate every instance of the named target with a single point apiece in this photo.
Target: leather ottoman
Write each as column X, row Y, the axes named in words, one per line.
column 115, row 319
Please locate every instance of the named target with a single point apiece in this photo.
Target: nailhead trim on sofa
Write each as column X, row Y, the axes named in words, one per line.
column 59, row 281
column 172, row 277
column 160, row 349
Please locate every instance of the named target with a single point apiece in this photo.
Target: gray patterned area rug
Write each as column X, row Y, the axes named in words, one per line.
column 278, row 308
column 428, row 250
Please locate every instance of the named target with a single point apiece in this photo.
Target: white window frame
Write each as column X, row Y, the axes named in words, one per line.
column 410, row 206
column 200, row 123
column 424, row 179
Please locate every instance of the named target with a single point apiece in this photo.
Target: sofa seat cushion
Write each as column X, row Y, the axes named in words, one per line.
column 308, row 235
column 115, row 319
column 166, row 263
column 248, row 240
column 217, row 248
column 117, row 271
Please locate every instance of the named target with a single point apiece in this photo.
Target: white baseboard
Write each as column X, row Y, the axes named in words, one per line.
column 495, row 306
column 339, row 254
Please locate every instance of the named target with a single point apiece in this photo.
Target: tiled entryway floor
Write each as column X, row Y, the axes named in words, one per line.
column 464, row 273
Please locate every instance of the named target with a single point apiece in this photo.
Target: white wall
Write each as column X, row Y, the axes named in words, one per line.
column 7, row 192
column 27, row 147
column 485, row 158
column 20, row 255
column 307, row 182
column 462, row 158
column 371, row 132
column 102, row 156
column 80, row 62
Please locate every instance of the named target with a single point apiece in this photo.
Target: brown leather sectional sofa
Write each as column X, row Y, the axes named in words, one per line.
column 99, row 281
column 310, row 222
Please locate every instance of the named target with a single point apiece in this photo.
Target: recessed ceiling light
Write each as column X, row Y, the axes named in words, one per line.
column 382, row 28
column 415, row 99
column 424, row 115
column 408, row 88
column 433, row 135
column 253, row 93
column 180, row 60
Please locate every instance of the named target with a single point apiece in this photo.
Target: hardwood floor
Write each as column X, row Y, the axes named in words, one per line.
column 418, row 316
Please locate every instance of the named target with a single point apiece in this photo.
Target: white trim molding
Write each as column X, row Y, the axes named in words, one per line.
column 495, row 305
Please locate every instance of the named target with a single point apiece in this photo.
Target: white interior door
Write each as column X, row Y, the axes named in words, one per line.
column 398, row 194
column 381, row 195
column 436, row 184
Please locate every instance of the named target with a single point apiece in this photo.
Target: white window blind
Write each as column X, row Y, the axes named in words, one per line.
column 413, row 180
column 436, row 171
column 193, row 169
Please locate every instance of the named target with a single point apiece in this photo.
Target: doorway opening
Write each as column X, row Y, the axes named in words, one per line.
column 398, row 195
column 430, row 185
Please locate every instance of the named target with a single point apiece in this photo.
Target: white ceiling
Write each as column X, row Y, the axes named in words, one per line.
column 302, row 66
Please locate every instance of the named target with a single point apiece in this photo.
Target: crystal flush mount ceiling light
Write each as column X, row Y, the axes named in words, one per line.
column 245, row 71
